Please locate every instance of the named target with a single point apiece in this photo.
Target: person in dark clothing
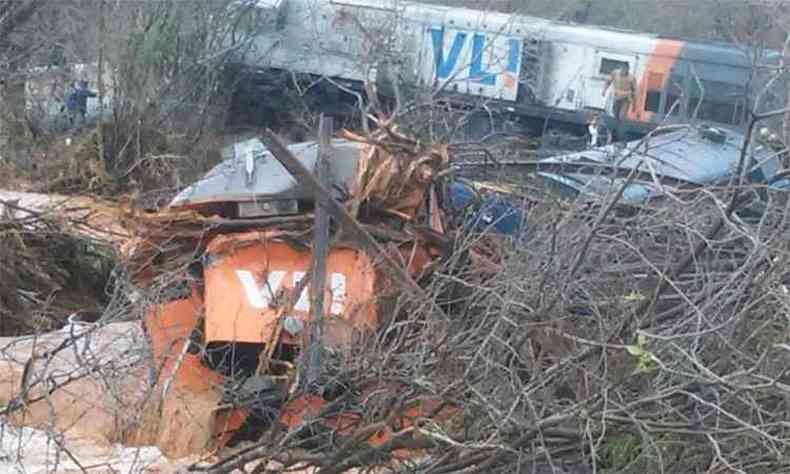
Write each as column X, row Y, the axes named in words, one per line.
column 77, row 103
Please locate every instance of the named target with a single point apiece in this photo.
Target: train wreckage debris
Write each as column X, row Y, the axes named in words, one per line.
column 243, row 239
column 681, row 158
column 227, row 351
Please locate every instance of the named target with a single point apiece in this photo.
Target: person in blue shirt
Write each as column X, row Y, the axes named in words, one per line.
column 77, row 103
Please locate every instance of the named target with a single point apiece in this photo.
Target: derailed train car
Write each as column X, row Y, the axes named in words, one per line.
column 687, row 158
column 646, row 170
column 524, row 66
column 227, row 350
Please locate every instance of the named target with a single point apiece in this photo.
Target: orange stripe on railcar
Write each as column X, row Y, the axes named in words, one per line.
column 655, row 76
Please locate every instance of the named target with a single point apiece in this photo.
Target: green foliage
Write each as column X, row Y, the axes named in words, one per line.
column 618, row 453
column 646, row 361
column 160, row 44
column 166, row 58
column 167, row 48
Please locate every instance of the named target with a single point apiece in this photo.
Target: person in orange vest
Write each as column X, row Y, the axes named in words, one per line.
column 623, row 91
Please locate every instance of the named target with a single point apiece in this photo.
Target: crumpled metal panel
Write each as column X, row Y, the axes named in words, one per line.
column 250, row 173
column 494, row 213
column 696, row 155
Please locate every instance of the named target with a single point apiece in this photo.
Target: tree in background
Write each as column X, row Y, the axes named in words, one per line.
column 161, row 68
column 165, row 59
column 17, row 42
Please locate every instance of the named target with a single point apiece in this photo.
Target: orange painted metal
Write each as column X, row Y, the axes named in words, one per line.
column 246, row 278
column 169, row 327
column 245, row 283
column 659, row 63
column 295, row 411
column 346, row 424
column 226, row 423
column 438, row 412
column 414, row 256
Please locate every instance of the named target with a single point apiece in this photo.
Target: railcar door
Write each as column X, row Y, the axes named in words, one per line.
column 602, row 64
column 662, row 95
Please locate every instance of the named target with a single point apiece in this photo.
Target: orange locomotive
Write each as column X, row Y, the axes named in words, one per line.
column 246, row 317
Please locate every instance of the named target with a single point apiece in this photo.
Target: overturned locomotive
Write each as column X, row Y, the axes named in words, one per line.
column 532, row 69
column 227, row 350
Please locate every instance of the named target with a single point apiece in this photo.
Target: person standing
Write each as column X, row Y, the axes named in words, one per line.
column 599, row 133
column 77, row 103
column 623, row 92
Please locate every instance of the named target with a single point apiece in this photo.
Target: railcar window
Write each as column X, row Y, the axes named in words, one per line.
column 655, row 83
column 715, row 101
column 609, row 65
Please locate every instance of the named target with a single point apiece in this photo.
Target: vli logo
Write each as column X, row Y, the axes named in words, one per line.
column 447, row 62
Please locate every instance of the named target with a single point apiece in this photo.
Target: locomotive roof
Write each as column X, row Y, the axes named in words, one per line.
column 249, row 173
